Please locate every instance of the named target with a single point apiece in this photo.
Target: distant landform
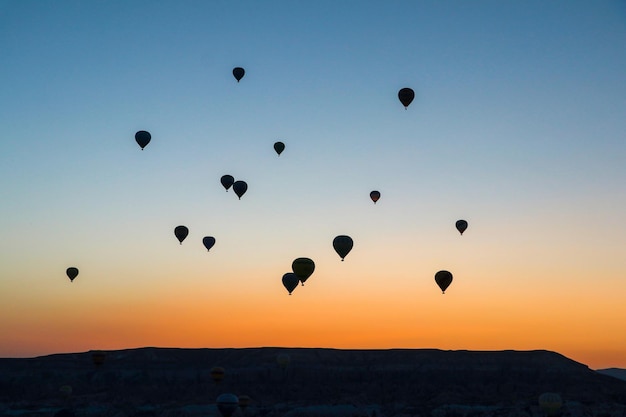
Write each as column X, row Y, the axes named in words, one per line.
column 303, row 382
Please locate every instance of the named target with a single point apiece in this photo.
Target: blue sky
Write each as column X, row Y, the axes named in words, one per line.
column 518, row 126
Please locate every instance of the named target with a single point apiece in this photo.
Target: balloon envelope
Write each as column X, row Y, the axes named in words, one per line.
column 72, row 273
column 375, row 196
column 143, row 138
column 279, row 147
column 240, row 188
column 550, row 403
column 244, row 402
column 208, row 242
column 290, row 281
column 343, row 245
column 238, row 73
column 227, row 181
column 303, row 268
column 443, row 279
column 181, row 233
column 217, row 373
column 406, row 96
column 227, row 404
column 461, row 226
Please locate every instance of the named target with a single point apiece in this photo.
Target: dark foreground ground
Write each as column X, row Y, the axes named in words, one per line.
column 307, row 383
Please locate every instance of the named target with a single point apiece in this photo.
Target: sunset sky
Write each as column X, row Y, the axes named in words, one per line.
column 518, row 127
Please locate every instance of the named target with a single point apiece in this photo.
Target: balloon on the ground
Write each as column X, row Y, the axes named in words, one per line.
column 143, row 138
column 461, row 226
column 227, row 181
column 279, row 147
column 238, row 73
column 343, row 245
column 217, row 374
column 406, row 96
column 227, row 404
column 443, row 279
column 375, row 196
column 240, row 188
column 181, row 233
column 72, row 273
column 244, row 402
column 208, row 242
column 550, row 403
column 303, row 268
column 290, row 281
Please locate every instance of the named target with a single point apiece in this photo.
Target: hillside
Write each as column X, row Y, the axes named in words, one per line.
column 420, row 380
column 614, row 372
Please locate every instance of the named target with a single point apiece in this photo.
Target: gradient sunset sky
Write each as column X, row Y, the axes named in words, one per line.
column 518, row 126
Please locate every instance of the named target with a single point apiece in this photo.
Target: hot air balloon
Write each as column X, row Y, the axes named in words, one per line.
column 208, row 242
column 181, row 233
column 303, row 268
column 279, row 147
column 290, row 281
column 227, row 181
column 217, row 374
column 97, row 357
column 550, row 403
column 72, row 273
column 143, row 138
column 443, row 279
column 343, row 245
column 461, row 226
column 238, row 73
column 240, row 188
column 406, row 96
column 244, row 402
column 375, row 196
column 227, row 404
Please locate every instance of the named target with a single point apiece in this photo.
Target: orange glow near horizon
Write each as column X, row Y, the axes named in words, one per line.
column 381, row 316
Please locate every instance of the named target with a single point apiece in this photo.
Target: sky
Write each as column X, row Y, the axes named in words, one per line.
column 518, row 126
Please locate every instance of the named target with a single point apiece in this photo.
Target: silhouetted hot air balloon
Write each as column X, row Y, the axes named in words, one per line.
column 406, row 96
column 244, row 402
column 240, row 188
column 238, row 73
column 443, row 279
column 143, row 138
column 181, row 233
column 227, row 404
column 290, row 281
column 72, row 273
column 375, row 196
column 217, row 374
column 279, row 147
column 227, row 181
column 461, row 226
column 208, row 242
column 303, row 268
column 550, row 403
column 343, row 245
